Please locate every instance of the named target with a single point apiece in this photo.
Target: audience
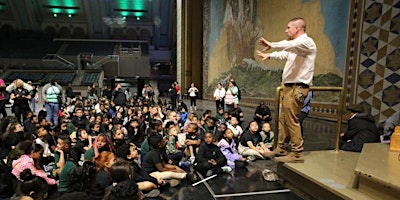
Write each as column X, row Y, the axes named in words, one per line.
column 122, row 148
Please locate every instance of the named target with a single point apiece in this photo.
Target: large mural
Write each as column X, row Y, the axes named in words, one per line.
column 232, row 39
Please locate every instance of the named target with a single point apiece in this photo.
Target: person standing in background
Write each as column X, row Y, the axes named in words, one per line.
column 21, row 97
column 231, row 96
column 178, row 90
column 69, row 93
column 219, row 95
column 50, row 94
column 34, row 96
column 119, row 96
column 300, row 53
column 193, row 96
column 172, row 94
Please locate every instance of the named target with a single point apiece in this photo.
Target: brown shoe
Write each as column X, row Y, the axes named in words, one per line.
column 293, row 157
column 276, row 152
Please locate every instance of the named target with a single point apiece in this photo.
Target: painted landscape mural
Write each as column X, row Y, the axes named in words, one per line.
column 235, row 26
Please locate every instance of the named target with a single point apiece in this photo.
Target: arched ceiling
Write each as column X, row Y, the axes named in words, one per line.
column 100, row 16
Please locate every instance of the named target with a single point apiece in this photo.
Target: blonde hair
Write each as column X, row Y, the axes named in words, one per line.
column 19, row 83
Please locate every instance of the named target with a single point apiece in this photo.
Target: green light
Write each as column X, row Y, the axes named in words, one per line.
column 69, row 15
column 56, row 10
column 71, row 11
column 55, row 14
column 138, row 18
column 132, row 5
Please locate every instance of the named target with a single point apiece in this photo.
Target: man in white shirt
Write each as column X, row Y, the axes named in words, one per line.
column 299, row 52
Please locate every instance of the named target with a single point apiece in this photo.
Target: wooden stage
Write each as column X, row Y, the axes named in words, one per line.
column 372, row 174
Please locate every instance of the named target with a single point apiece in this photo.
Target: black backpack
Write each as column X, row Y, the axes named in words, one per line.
column 239, row 94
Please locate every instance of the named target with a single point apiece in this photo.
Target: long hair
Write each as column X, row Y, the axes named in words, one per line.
column 101, row 160
column 109, row 144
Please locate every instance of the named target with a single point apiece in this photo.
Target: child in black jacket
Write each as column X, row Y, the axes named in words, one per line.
column 209, row 158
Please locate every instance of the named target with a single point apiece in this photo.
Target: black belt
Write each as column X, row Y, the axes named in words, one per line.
column 297, row 84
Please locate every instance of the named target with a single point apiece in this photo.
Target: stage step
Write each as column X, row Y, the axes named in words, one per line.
column 378, row 172
column 323, row 175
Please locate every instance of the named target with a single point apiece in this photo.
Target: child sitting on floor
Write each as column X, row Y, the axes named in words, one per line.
column 209, row 158
column 228, row 148
column 84, row 140
column 192, row 141
column 155, row 161
column 172, row 147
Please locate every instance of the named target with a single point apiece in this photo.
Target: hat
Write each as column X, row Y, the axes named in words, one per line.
column 355, row 108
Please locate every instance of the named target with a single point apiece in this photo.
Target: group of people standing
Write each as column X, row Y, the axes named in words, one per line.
column 227, row 98
column 174, row 93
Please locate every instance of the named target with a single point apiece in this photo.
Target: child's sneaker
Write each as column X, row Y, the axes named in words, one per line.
column 226, row 169
column 152, row 193
column 184, row 164
column 251, row 158
column 209, row 173
column 192, row 159
column 173, row 182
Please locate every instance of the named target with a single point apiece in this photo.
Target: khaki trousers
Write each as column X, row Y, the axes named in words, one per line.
column 292, row 99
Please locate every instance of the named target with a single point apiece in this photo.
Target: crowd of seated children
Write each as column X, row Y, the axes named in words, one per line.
column 82, row 149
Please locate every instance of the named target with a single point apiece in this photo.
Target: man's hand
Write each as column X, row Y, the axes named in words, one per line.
column 263, row 56
column 265, row 43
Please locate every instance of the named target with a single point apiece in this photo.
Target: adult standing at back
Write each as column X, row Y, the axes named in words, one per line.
column 193, row 96
column 178, row 90
column 300, row 52
column 231, row 96
column 50, row 94
column 119, row 96
column 219, row 95
column 21, row 96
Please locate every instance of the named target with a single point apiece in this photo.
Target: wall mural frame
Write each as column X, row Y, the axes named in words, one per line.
column 247, row 71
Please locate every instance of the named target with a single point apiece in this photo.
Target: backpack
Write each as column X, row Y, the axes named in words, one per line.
column 239, row 94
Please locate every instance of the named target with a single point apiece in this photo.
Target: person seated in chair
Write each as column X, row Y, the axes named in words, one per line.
column 389, row 124
column 361, row 129
column 262, row 114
